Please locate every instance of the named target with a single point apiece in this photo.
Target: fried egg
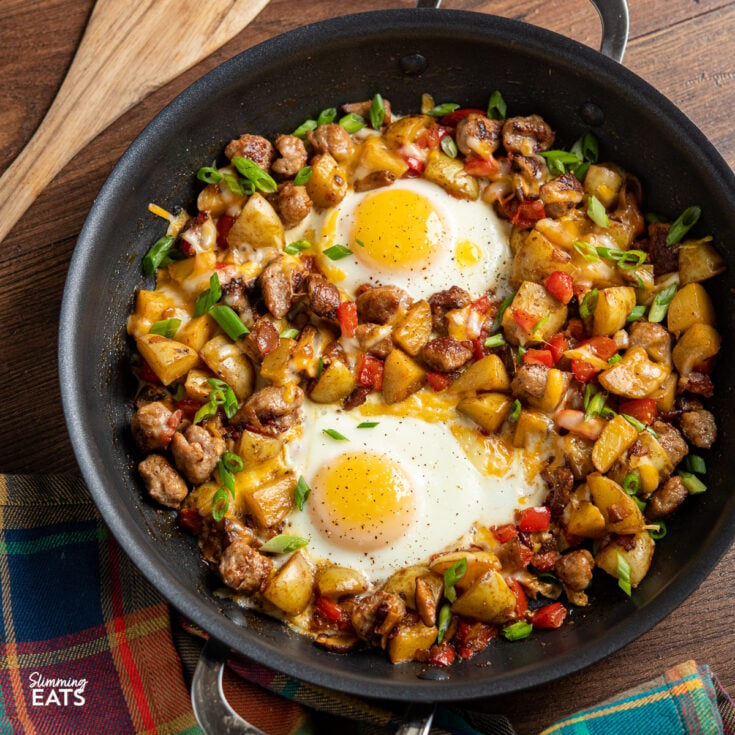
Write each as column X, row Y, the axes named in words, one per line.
column 391, row 494
column 411, row 234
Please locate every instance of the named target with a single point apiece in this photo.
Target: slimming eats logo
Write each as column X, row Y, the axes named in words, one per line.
column 56, row 692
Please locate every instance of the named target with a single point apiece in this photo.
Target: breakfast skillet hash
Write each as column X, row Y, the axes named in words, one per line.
column 411, row 380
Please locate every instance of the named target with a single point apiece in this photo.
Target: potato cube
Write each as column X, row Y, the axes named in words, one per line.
column 613, row 306
column 665, row 396
column 533, row 316
column 376, row 156
column 196, row 332
column 401, row 377
column 604, row 182
column 409, row 640
column 698, row 261
column 258, row 226
column 488, row 600
column 254, row 448
column 405, row 130
column 638, row 557
column 403, row 583
column 697, row 344
column 290, row 589
column 197, row 384
column 271, row 502
column 690, row 305
column 537, row 258
column 586, row 520
column 327, row 184
column 276, row 365
column 615, row 439
column 557, row 383
column 412, row 331
column 226, row 361
column 335, row 383
column 620, row 511
column 449, row 173
column 578, row 453
column 532, row 427
column 487, row 374
column 336, row 581
column 169, row 360
column 479, row 563
column 635, row 376
column 488, row 410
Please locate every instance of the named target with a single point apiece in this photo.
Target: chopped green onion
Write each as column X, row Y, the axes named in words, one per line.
column 326, row 116
column 695, row 463
column 179, row 392
column 303, row 176
column 208, row 298
column 352, row 122
column 233, row 462
column 595, row 406
column 220, row 395
column 515, row 410
column 301, row 493
column 518, row 631
column 157, row 253
column 692, row 483
column 209, row 175
column 367, row 424
column 652, row 218
column 596, row 212
column 497, row 108
column 589, row 391
column 360, row 242
column 624, row 574
column 320, row 368
column 615, row 359
column 206, row 411
column 337, row 252
column 227, row 478
column 220, row 504
column 233, row 184
column 560, row 156
column 452, row 576
column 682, row 224
column 289, row 333
column 640, row 503
column 377, row 112
column 587, row 148
column 496, row 340
column 443, row 109
column 540, row 323
column 636, row 313
column 445, row 618
column 587, row 251
column 589, row 303
column 283, row 544
column 334, row 434
column 520, row 353
column 581, row 171
column 504, row 304
column 295, row 247
column 661, row 302
column 449, row 146
column 259, row 178
column 660, row 533
column 304, row 128
column 631, row 259
column 634, row 422
column 165, row 327
column 230, row 322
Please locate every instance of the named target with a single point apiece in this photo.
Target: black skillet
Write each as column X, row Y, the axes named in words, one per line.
column 458, row 56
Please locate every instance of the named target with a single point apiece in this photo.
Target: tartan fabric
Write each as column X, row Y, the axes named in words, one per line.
column 88, row 646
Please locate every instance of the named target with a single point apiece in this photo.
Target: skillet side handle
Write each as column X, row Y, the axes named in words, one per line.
column 615, row 21
column 211, row 709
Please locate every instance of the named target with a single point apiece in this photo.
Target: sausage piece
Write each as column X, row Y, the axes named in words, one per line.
column 244, row 569
column 255, row 147
column 153, row 426
column 375, row 616
column 444, row 301
column 667, row 498
column 561, row 483
column 562, row 194
column 671, row 440
column 445, row 354
column 699, row 428
column 527, row 135
column 261, row 341
column 653, row 338
column 333, row 139
column 279, row 281
column 292, row 203
column 196, row 453
column 164, row 484
column 575, row 573
column 271, row 410
column 293, row 155
column 479, row 135
column 665, row 258
column 382, row 304
column 323, row 295
column 529, row 381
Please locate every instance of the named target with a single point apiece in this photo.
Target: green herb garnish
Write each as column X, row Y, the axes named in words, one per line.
column 208, row 298
column 155, row 256
column 496, row 340
column 452, row 576
column 337, row 252
column 589, row 303
column 334, row 434
column 303, row 176
column 326, row 116
column 352, row 122
column 497, row 108
column 165, row 327
column 377, row 112
column 624, row 574
column 661, row 302
column 445, row 618
column 283, row 544
column 518, row 631
column 295, row 247
column 301, row 493
column 682, row 224
column 597, row 213
column 230, row 322
column 209, row 175
column 259, row 178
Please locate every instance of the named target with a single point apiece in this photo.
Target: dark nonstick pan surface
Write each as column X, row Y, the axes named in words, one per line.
column 455, row 56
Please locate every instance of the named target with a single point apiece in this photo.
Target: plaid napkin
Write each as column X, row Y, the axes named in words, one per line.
column 88, row 646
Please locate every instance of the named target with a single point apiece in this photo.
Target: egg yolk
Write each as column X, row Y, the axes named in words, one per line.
column 362, row 501
column 397, row 230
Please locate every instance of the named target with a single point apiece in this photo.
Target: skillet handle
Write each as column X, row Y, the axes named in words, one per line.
column 613, row 16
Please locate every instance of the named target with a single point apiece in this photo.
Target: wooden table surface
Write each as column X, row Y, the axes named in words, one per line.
column 684, row 48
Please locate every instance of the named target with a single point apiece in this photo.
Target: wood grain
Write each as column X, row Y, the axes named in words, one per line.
column 682, row 47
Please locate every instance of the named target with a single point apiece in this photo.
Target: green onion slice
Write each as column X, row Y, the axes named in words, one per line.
column 496, row 340
column 260, row 179
column 587, row 251
column 367, row 424
column 624, row 574
column 615, row 359
column 540, row 323
column 661, row 302
column 295, row 247
column 695, row 463
column 692, row 483
column 581, row 171
column 303, row 176
column 337, row 252
column 233, row 184
column 220, row 504
column 504, row 304
column 334, row 434
column 283, row 544
column 352, row 122
column 229, row 404
column 452, row 576
column 596, row 212
column 165, row 327
column 515, row 410
column 157, row 253
column 682, row 224
column 518, row 631
column 209, row 175
column 448, row 146
column 230, row 322
column 657, row 535
column 289, row 333
column 634, row 422
column 589, row 303
column 589, row 391
column 377, row 112
column 232, row 462
column 305, row 127
column 228, row 479
column 595, row 406
column 320, row 368
column 208, row 298
column 520, row 353
column 636, row 313
column 207, row 410
column 497, row 108
column 301, row 493
column 631, row 483
column 445, row 618
column 587, row 148
column 443, row 109
column 326, row 116
column 560, row 157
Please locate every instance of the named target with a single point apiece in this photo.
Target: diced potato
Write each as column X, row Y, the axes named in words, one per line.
column 604, row 182
column 648, row 476
column 532, row 427
column 258, row 226
column 327, row 184
column 655, row 455
column 620, row 511
column 534, row 303
column 409, row 640
column 537, row 258
column 613, row 306
column 335, row 383
column 271, row 502
column 557, row 383
column 217, row 199
column 488, row 600
column 412, row 331
column 635, row 376
column 488, row 410
column 690, row 305
column 406, row 130
column 376, row 156
column 336, row 581
column 275, row 366
column 665, row 396
column 697, row 344
column 639, row 557
column 290, row 589
column 197, row 384
column 449, row 173
column 586, row 520
column 254, row 448
column 479, row 563
column 487, row 374
column 401, row 377
column 226, row 361
column 403, row 583
column 698, row 261
column 196, row 332
column 169, row 360
column 150, row 305
column 578, row 453
column 615, row 439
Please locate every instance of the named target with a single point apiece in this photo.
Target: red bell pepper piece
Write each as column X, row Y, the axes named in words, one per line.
column 527, row 213
column 442, row 655
column 147, row 374
column 525, row 320
column 603, row 347
column 545, row 561
column 557, row 345
column 415, row 166
column 549, row 616
column 583, row 371
column 453, row 118
column 370, row 372
column 347, row 317
column 190, row 519
column 505, row 533
column 538, row 357
column 521, row 599
column 329, row 608
column 534, row 519
column 478, row 166
column 438, row 381
column 643, row 409
column 481, row 305
column 224, row 225
column 561, row 286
